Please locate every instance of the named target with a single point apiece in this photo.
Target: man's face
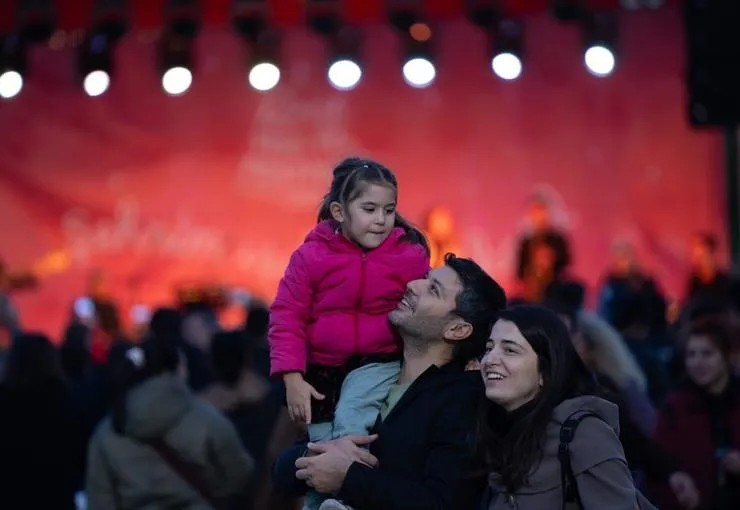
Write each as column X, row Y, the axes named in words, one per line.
column 426, row 309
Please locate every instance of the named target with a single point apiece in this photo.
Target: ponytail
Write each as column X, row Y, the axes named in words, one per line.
column 413, row 234
column 325, row 209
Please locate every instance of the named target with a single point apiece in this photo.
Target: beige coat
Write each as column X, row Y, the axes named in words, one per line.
column 125, row 474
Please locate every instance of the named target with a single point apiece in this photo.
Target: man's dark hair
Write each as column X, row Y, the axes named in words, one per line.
column 479, row 303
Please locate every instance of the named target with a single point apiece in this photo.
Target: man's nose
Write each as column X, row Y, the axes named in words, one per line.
column 414, row 286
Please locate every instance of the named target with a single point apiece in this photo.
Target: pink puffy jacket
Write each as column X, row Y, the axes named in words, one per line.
column 334, row 299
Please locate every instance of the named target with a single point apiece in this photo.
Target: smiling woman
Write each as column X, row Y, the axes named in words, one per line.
column 536, row 387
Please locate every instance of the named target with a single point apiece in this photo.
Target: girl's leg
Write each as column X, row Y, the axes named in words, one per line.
column 363, row 391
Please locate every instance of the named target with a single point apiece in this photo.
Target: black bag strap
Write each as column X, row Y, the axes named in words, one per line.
column 567, row 477
column 184, row 471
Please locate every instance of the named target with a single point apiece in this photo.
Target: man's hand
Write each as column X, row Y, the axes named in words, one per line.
column 349, row 445
column 326, row 469
column 684, row 489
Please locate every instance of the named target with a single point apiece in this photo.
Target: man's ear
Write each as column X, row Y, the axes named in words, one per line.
column 337, row 212
column 457, row 330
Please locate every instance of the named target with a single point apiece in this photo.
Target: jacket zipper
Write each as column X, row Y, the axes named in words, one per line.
column 358, row 304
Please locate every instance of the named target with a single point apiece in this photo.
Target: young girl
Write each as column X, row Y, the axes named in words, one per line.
column 330, row 339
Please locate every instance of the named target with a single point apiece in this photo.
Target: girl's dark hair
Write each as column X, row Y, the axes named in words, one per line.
column 512, row 452
column 33, row 363
column 155, row 356
column 229, row 356
column 347, row 184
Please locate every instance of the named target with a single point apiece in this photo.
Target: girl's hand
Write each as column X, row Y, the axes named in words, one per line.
column 299, row 393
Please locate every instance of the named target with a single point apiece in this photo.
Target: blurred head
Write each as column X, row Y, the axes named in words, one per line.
column 362, row 199
column 229, row 356
column 198, row 328
column 708, row 354
column 74, row 351
column 703, row 250
column 623, row 258
column 455, row 306
column 529, row 366
column 33, row 363
column 539, row 213
column 153, row 357
column 258, row 320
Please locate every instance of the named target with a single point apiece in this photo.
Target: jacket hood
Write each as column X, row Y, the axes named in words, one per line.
column 327, row 232
column 156, row 406
column 606, row 410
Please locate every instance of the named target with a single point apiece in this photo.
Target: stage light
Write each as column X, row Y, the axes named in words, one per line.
column 508, row 43
column 344, row 74
column 95, row 57
column 418, row 67
column 12, row 66
column 96, row 83
column 599, row 60
column 176, row 56
column 600, row 38
column 506, row 66
column 177, row 80
column 264, row 76
column 345, row 70
column 419, row 72
column 11, row 84
column 264, row 43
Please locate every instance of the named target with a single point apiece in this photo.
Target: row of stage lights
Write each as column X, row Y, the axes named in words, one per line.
column 344, row 72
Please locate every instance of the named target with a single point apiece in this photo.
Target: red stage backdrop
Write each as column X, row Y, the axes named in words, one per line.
column 222, row 183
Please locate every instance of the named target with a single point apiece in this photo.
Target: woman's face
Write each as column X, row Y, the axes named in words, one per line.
column 509, row 367
column 705, row 364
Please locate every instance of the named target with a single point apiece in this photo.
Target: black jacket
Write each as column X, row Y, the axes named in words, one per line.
column 424, row 447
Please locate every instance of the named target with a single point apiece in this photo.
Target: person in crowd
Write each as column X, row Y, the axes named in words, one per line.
column 9, row 283
column 198, row 325
column 700, row 421
column 160, row 447
column 608, row 353
column 627, row 282
column 643, row 454
column 535, row 385
column 283, row 431
column 242, row 395
column 543, row 253
column 42, row 432
column 707, row 280
column 330, row 340
column 421, row 454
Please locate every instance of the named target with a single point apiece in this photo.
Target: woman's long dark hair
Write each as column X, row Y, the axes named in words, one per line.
column 346, row 185
column 156, row 355
column 512, row 452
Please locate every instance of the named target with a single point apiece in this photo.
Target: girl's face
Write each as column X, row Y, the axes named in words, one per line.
column 705, row 365
column 368, row 219
column 509, row 367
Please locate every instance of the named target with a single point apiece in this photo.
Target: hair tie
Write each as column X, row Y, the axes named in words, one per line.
column 136, row 356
